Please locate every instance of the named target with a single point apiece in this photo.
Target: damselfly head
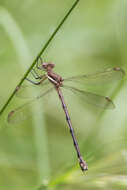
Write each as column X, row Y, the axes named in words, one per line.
column 48, row 66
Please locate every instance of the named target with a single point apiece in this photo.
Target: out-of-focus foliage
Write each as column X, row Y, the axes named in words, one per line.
column 38, row 153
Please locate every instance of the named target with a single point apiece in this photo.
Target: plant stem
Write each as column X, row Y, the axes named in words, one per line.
column 39, row 54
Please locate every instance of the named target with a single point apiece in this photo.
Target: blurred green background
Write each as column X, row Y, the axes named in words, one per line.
column 38, row 153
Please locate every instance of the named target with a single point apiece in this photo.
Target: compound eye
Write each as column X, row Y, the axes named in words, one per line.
column 44, row 65
column 48, row 66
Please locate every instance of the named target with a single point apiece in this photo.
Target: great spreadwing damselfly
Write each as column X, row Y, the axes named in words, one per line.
column 58, row 83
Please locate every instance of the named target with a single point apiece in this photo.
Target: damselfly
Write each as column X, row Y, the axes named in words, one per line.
column 58, row 82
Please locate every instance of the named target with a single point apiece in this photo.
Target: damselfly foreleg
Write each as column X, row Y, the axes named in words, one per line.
column 37, row 64
column 36, row 75
column 43, row 78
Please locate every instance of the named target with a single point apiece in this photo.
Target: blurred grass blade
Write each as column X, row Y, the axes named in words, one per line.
column 24, row 57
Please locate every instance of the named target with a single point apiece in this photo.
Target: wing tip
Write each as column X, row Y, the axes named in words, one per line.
column 110, row 103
